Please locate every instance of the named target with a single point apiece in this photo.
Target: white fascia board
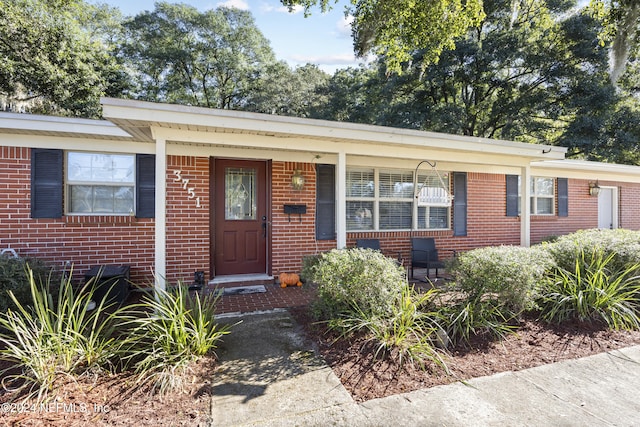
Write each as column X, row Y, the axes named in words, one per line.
column 313, row 147
column 416, row 149
column 38, row 123
column 77, row 144
column 457, row 165
column 587, row 170
column 264, row 123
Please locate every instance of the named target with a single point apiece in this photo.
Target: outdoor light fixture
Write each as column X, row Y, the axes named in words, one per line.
column 297, row 180
column 594, row 188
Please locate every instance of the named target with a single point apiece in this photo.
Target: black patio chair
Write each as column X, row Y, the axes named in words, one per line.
column 424, row 254
column 368, row 244
column 375, row 245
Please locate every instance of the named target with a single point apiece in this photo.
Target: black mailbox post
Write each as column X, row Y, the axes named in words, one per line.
column 111, row 283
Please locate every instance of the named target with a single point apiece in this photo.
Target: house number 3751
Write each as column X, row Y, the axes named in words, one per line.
column 191, row 193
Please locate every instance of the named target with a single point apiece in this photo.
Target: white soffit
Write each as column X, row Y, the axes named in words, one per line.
column 34, row 124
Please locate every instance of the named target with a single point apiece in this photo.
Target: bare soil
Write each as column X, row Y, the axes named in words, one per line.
column 113, row 400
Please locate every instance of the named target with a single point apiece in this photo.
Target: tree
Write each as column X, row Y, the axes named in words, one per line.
column 536, row 73
column 394, row 29
column 279, row 90
column 622, row 22
column 180, row 55
column 50, row 62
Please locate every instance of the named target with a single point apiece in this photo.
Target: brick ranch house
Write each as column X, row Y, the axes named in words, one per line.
column 240, row 193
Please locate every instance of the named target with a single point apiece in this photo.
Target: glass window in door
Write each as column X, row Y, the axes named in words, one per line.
column 240, row 194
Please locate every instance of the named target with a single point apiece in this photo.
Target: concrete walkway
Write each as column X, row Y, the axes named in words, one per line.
column 269, row 376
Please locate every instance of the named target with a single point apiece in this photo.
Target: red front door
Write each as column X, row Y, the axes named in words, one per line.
column 241, row 217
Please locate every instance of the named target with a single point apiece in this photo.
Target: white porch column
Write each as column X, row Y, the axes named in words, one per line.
column 161, row 215
column 525, row 206
column 341, row 193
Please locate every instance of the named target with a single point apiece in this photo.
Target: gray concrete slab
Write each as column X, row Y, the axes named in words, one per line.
column 604, row 386
column 269, row 376
column 267, row 370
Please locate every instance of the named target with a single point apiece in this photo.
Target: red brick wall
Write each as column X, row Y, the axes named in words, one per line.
column 294, row 237
column 487, row 223
column 90, row 240
column 583, row 214
column 86, row 241
column 188, row 238
column 630, row 209
column 83, row 241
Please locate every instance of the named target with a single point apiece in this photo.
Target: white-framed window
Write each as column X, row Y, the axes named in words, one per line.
column 361, row 200
column 434, row 202
column 100, row 183
column 383, row 199
column 542, row 195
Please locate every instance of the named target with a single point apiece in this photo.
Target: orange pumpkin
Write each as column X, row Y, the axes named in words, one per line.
column 287, row 279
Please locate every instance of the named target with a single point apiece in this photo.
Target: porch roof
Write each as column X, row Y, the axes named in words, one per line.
column 581, row 169
column 35, row 124
column 147, row 121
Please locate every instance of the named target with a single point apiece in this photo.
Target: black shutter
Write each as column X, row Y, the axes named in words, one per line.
column 46, row 183
column 512, row 195
column 325, row 202
column 563, row 196
column 459, row 204
column 145, row 185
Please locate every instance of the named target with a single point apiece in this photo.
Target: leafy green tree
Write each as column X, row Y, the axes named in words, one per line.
column 622, row 20
column 50, row 63
column 286, row 92
column 350, row 95
column 620, row 140
column 513, row 77
column 396, row 28
column 180, row 55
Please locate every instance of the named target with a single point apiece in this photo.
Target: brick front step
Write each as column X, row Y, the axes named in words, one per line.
column 275, row 297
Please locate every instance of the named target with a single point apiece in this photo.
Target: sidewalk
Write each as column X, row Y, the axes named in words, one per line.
column 269, row 376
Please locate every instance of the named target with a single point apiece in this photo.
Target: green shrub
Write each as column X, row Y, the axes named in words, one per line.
column 59, row 335
column 173, row 329
column 465, row 318
column 623, row 244
column 309, row 264
column 595, row 289
column 507, row 275
column 410, row 332
column 50, row 339
column 15, row 279
column 491, row 288
column 356, row 279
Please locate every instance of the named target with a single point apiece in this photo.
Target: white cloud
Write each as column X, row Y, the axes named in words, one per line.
column 266, row 7
column 237, row 4
column 329, row 63
column 340, row 59
column 343, row 26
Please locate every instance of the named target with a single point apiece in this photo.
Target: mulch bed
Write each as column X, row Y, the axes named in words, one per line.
column 534, row 344
column 109, row 400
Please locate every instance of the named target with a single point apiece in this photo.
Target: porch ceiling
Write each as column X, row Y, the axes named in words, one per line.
column 146, row 121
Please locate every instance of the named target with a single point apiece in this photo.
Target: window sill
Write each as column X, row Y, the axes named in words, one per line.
column 100, row 219
column 400, row 230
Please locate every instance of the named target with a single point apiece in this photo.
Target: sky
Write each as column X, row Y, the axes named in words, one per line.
column 321, row 39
